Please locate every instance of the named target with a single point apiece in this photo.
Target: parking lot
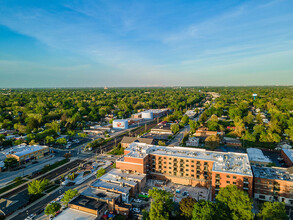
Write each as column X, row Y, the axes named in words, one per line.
column 180, row 191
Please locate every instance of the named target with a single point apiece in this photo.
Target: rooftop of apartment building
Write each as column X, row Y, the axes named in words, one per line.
column 119, row 187
column 274, row 173
column 21, row 150
column 289, row 153
column 229, row 162
column 257, row 155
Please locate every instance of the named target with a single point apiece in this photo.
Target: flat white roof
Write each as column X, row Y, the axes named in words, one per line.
column 70, row 214
column 257, row 155
column 120, row 120
column 229, row 162
column 21, row 150
column 289, row 153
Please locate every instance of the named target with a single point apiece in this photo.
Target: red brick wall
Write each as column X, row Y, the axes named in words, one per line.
column 228, row 179
column 286, row 159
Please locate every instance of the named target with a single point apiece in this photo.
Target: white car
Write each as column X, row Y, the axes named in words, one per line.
column 137, row 210
column 137, row 200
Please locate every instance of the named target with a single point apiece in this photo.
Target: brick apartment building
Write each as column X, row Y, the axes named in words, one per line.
column 189, row 166
column 287, row 155
column 273, row 184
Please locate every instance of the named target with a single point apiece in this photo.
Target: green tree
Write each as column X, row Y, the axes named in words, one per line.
column 212, row 141
column 174, row 128
column 10, row 162
column 236, row 202
column 273, row 211
column 36, row 187
column 61, row 141
column 67, row 155
column 204, row 210
column 186, row 206
column 161, row 143
column 162, row 204
column 49, row 140
column 101, row 172
column 68, row 195
column 52, row 208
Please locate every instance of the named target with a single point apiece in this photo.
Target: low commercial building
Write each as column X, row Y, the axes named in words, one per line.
column 256, row 157
column 89, row 205
column 128, row 140
column 120, row 124
column 162, row 128
column 287, row 155
column 113, row 187
column 151, row 113
column 189, row 166
column 113, row 200
column 192, row 142
column 204, row 132
column 135, row 181
column 273, row 184
column 26, row 153
column 232, row 141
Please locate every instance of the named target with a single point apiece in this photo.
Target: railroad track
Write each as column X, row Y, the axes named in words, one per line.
column 50, row 175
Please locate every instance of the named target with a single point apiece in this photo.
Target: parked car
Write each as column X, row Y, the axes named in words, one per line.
column 137, row 210
column 137, row 200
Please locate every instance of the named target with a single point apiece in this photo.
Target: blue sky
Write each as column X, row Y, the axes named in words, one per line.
column 145, row 43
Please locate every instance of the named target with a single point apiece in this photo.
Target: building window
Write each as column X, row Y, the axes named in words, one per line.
column 192, row 161
column 234, row 177
column 170, row 168
column 234, row 183
column 187, row 165
column 228, row 176
column 192, row 175
column 165, row 158
column 205, row 163
column 197, row 176
column 228, row 182
column 187, row 170
column 165, row 167
column 192, row 165
column 262, row 197
column 192, row 170
column 186, row 174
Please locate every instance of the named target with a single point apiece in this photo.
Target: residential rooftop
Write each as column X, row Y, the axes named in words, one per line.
column 257, row 155
column 289, row 153
column 274, row 173
column 229, row 162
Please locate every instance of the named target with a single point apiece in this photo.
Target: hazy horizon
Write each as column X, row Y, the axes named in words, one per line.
column 70, row 44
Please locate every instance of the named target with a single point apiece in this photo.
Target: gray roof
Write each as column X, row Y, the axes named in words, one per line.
column 129, row 140
column 111, row 186
column 277, row 173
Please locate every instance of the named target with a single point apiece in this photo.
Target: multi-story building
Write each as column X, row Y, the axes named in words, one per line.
column 256, row 157
column 189, row 166
column 273, row 184
column 287, row 155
